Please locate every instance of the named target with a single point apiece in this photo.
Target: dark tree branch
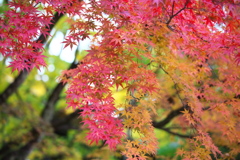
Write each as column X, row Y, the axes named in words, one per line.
column 49, row 109
column 61, row 125
column 173, row 7
column 173, row 15
column 58, row 122
column 47, row 115
column 23, row 152
column 13, row 86
column 177, row 134
column 5, row 1
column 20, row 154
column 170, row 116
column 42, row 38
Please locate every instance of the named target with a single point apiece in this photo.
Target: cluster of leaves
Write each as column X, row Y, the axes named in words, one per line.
column 194, row 44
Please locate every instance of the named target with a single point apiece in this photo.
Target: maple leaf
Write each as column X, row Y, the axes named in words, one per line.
column 70, row 42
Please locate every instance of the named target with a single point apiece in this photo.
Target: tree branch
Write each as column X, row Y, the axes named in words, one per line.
column 24, row 151
column 13, row 86
column 177, row 134
column 173, row 7
column 170, row 116
column 61, row 124
column 48, row 111
column 47, row 116
column 173, row 15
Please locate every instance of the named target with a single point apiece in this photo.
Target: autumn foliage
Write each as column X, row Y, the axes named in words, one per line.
column 169, row 55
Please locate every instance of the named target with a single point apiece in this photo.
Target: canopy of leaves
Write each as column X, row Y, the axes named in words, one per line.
column 176, row 64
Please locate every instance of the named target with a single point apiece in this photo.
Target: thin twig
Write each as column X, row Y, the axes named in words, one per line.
column 177, row 134
column 173, row 7
column 173, row 15
column 170, row 116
